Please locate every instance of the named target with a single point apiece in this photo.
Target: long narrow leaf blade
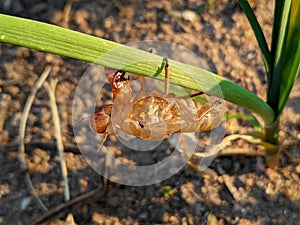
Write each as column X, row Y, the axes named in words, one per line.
column 261, row 40
column 251, row 119
column 291, row 55
column 275, row 33
column 60, row 41
column 286, row 55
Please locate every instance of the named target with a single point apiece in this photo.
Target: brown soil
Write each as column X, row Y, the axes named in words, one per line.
column 245, row 191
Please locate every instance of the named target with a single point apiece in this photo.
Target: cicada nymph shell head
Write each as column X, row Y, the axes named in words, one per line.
column 118, row 80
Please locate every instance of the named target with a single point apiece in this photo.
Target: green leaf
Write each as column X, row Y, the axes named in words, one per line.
column 285, row 53
column 201, row 9
column 251, row 119
column 168, row 191
column 261, row 40
column 64, row 42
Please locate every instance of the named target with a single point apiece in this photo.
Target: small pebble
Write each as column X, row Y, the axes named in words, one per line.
column 25, row 202
column 189, row 15
column 143, row 215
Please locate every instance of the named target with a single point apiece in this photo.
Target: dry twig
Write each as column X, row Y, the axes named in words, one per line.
column 95, row 194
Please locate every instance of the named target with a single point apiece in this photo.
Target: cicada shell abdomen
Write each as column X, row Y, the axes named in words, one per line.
column 152, row 118
column 199, row 116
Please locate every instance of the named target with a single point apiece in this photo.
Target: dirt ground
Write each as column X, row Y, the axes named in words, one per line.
column 244, row 190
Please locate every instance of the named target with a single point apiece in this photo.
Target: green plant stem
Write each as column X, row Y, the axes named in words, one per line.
column 271, row 133
column 271, row 136
column 60, row 41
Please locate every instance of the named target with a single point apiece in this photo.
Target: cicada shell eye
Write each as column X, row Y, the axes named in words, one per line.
column 119, row 81
column 119, row 78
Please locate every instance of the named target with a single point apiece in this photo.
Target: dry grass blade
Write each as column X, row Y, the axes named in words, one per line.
column 22, row 129
column 225, row 147
column 60, row 147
